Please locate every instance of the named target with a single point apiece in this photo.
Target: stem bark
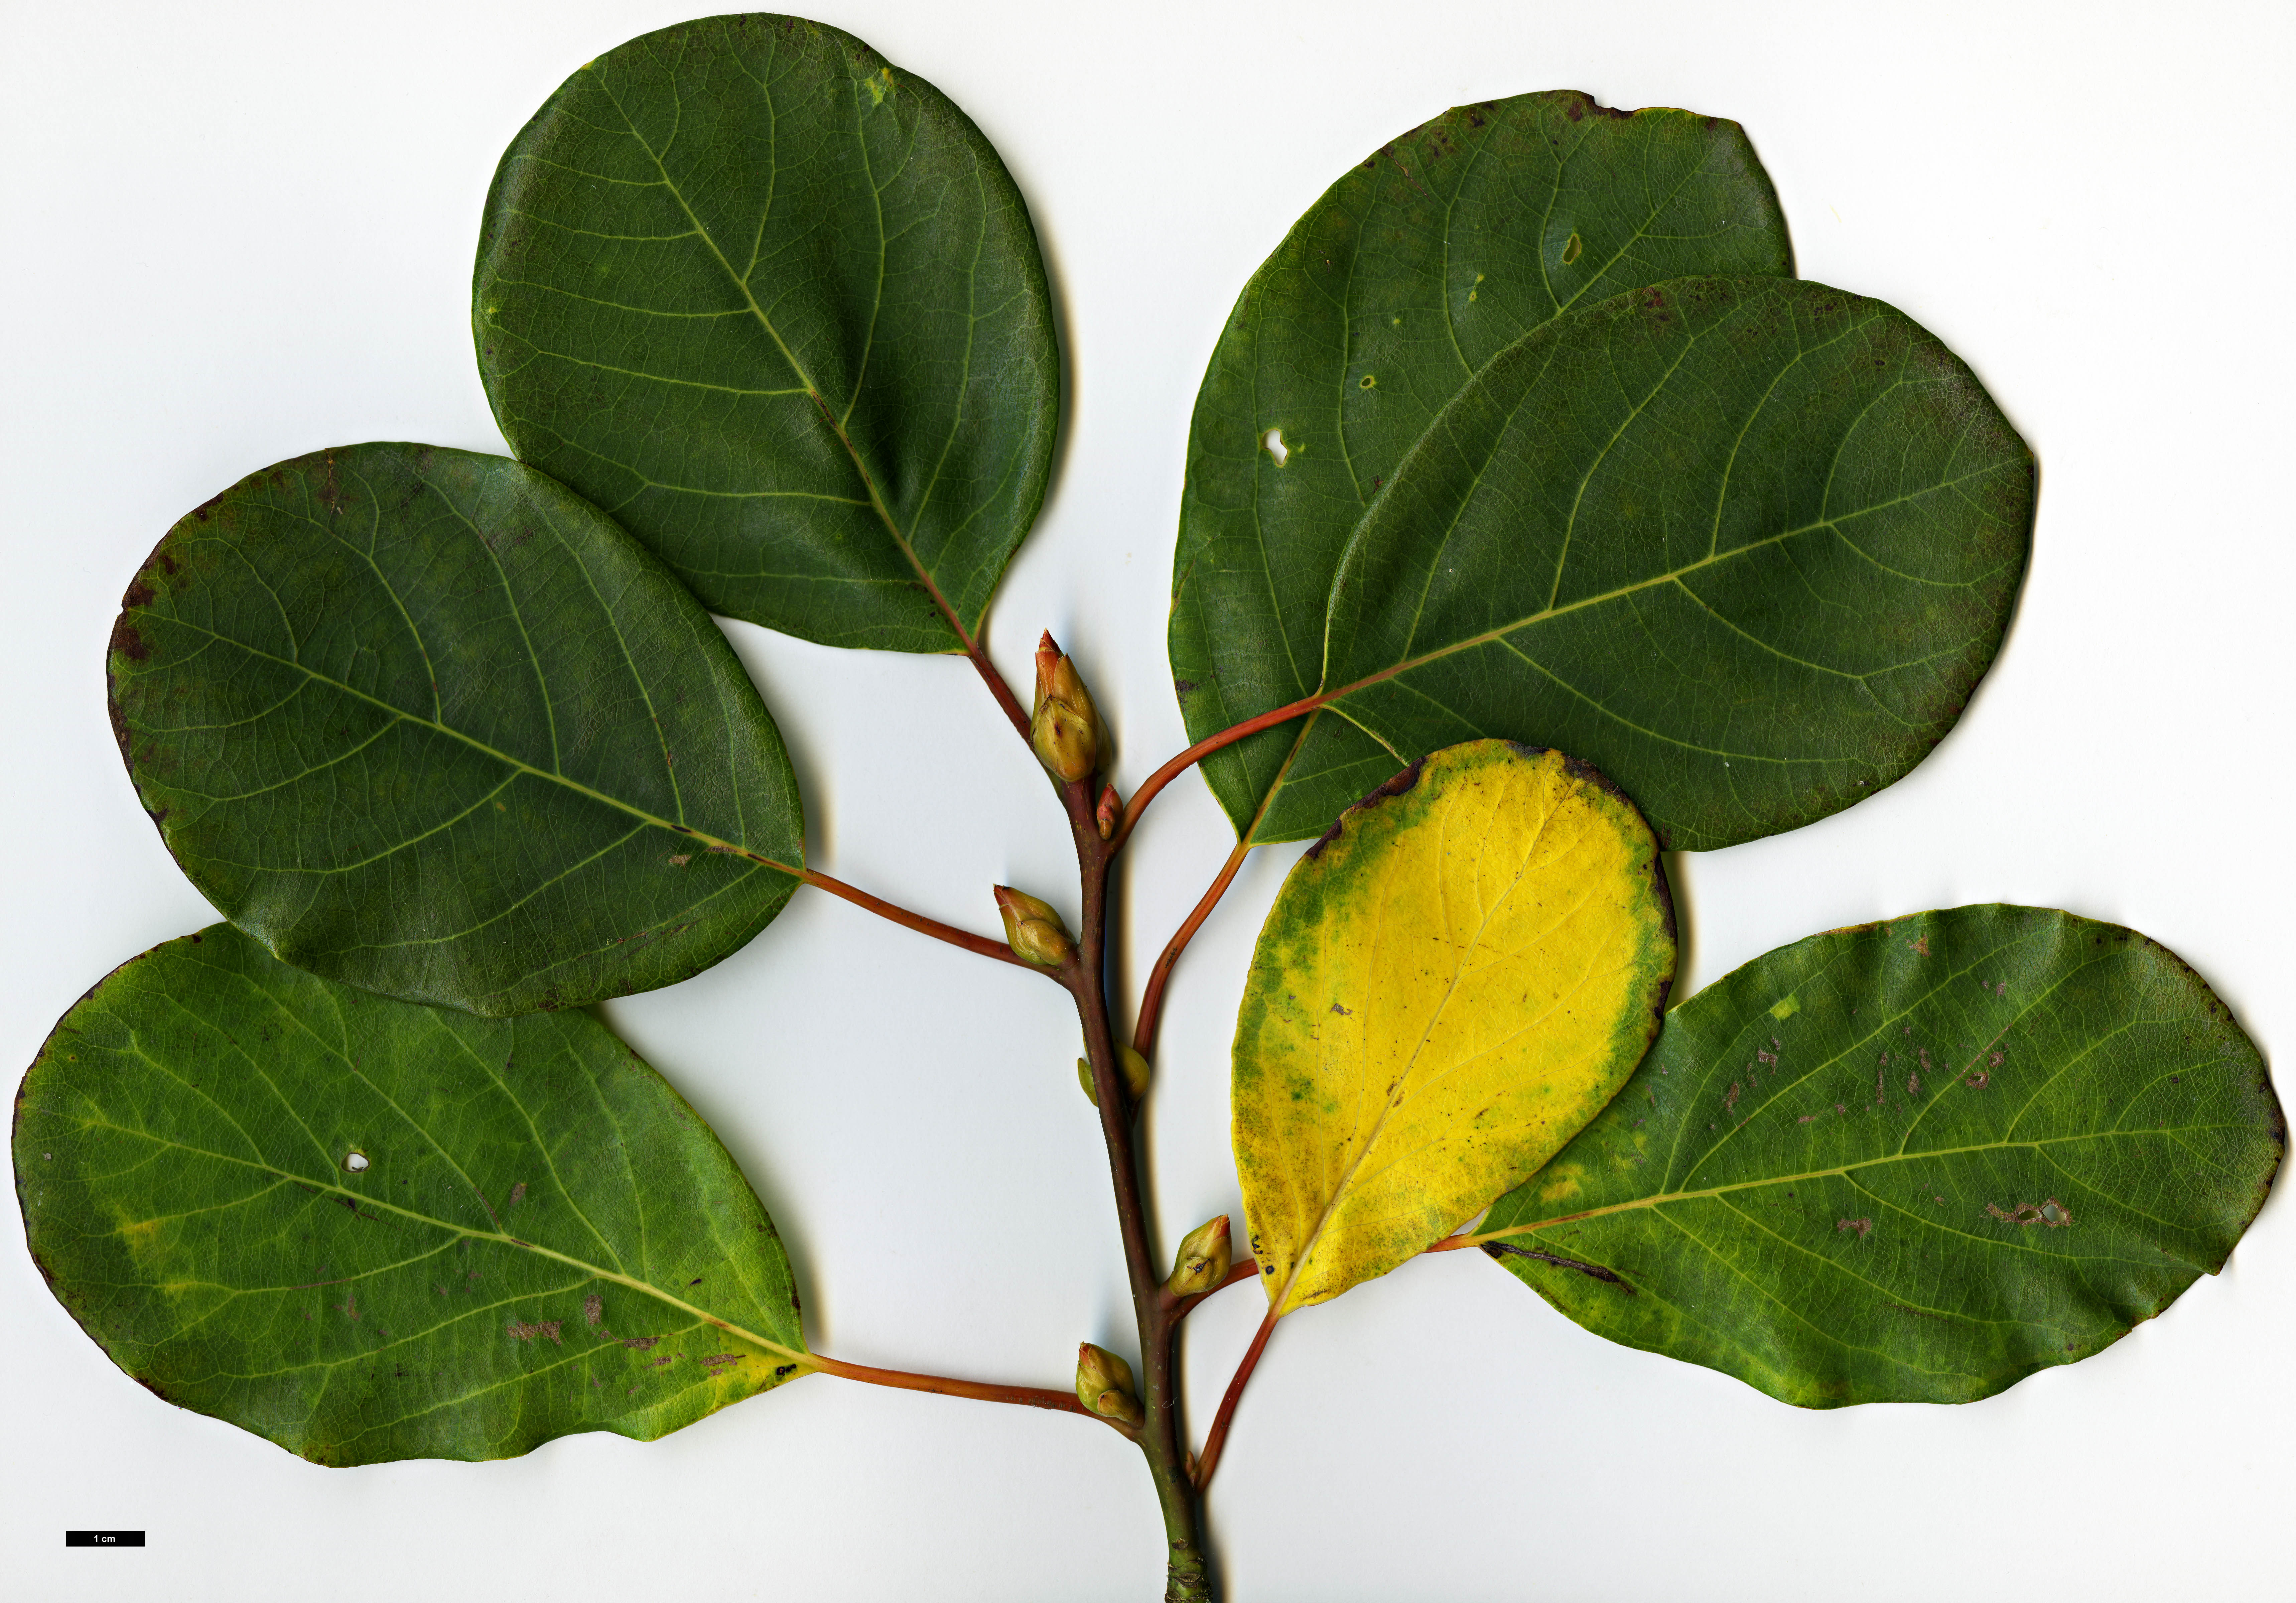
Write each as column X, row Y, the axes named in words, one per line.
column 1187, row 1578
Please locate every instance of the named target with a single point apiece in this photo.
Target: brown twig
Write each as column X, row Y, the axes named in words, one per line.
column 978, row 944
column 1186, row 1576
column 977, row 653
column 1202, row 749
column 1208, row 1459
column 982, row 1390
column 1152, row 999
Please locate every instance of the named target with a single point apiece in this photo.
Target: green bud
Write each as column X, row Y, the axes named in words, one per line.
column 1203, row 1260
column 1103, row 1385
column 1136, row 1075
column 1065, row 727
column 1033, row 930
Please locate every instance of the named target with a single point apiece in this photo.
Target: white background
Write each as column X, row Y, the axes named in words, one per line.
column 237, row 233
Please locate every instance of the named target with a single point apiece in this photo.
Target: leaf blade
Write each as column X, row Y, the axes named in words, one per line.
column 1626, row 534
column 1897, row 1229
column 423, row 721
column 1413, row 272
column 1447, row 988
column 487, row 1274
column 675, row 314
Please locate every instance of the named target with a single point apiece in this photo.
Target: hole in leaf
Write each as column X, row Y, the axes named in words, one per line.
column 1571, row 248
column 1273, row 442
column 1366, row 382
column 356, row 1162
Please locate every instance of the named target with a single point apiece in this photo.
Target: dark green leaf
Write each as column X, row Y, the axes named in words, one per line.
column 1913, row 1162
column 423, row 721
column 1407, row 278
column 366, row 1229
column 1746, row 545
column 778, row 306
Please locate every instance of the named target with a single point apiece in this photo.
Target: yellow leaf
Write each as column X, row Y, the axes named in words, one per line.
column 1449, row 985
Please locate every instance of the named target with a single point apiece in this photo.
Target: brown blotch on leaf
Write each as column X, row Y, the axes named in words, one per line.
column 2051, row 1212
column 521, row 1330
column 1396, row 786
column 1864, row 1227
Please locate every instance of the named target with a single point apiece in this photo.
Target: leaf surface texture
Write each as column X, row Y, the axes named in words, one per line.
column 1448, row 987
column 425, row 722
column 1745, row 544
column 1912, row 1161
column 778, row 306
column 1403, row 281
column 367, row 1229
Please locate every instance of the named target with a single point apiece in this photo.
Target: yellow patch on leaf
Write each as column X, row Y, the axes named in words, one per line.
column 1449, row 985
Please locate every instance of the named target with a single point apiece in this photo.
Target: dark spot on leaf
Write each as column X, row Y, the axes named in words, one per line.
column 2052, row 1214
column 1495, row 1249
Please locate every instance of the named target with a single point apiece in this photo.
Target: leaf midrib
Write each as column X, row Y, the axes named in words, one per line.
column 501, row 1238
column 821, row 405
column 1379, row 1124
column 684, row 831
column 1498, row 633
column 1842, row 1171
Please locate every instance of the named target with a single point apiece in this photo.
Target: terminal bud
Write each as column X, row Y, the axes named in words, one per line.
column 1065, row 728
column 1202, row 1261
column 1033, row 930
column 1103, row 1385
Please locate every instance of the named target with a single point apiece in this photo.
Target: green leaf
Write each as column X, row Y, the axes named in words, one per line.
column 1746, row 545
column 778, row 306
column 1913, row 1162
column 1405, row 280
column 366, row 1229
column 423, row 721
column 1448, row 986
